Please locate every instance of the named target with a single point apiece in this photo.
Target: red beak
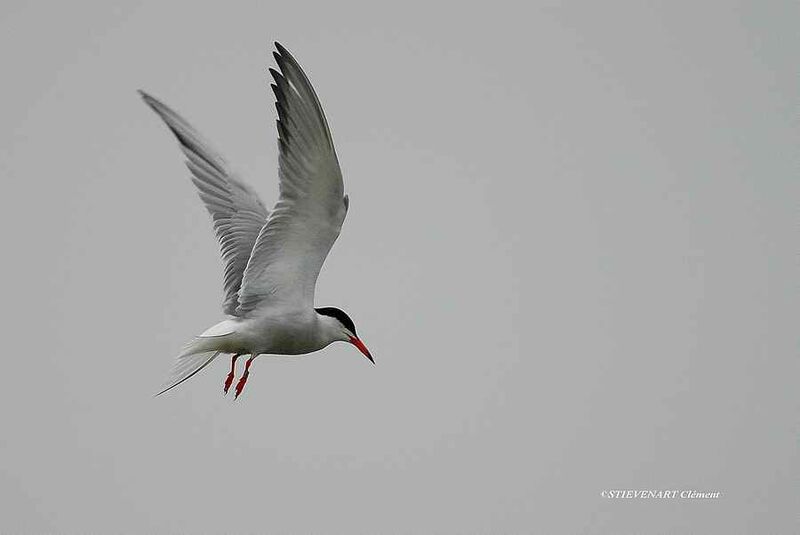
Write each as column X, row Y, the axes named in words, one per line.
column 361, row 347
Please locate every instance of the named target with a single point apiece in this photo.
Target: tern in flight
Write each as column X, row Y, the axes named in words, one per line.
column 272, row 258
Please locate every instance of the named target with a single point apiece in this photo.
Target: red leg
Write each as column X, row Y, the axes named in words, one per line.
column 243, row 380
column 229, row 379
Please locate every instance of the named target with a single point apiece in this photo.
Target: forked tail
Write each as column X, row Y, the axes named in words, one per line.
column 192, row 359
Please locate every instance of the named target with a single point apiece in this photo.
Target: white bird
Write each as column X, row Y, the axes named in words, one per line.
column 272, row 259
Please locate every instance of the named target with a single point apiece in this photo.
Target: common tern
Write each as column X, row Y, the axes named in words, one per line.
column 272, row 258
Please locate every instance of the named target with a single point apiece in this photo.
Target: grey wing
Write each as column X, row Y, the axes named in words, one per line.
column 306, row 220
column 236, row 211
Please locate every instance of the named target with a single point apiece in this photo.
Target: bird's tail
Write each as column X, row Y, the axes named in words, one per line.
column 194, row 357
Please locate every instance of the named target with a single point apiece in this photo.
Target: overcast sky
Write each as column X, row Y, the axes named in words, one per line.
column 571, row 247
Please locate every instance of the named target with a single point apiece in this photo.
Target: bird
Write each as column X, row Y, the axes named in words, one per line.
column 271, row 258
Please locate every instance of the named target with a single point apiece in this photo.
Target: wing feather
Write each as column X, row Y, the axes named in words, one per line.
column 305, row 222
column 236, row 211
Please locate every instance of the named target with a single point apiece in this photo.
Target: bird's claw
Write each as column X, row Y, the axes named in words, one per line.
column 229, row 378
column 228, row 382
column 240, row 385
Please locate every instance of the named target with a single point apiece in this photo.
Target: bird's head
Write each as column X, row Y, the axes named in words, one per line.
column 341, row 327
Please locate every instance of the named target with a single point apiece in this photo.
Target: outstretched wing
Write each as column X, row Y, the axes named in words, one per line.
column 237, row 212
column 301, row 229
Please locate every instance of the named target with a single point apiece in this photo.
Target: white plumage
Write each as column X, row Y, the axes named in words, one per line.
column 272, row 258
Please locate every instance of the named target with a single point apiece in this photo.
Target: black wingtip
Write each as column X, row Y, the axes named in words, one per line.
column 278, row 95
column 282, row 54
column 150, row 100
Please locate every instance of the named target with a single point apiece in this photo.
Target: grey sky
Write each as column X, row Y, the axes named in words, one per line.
column 571, row 248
